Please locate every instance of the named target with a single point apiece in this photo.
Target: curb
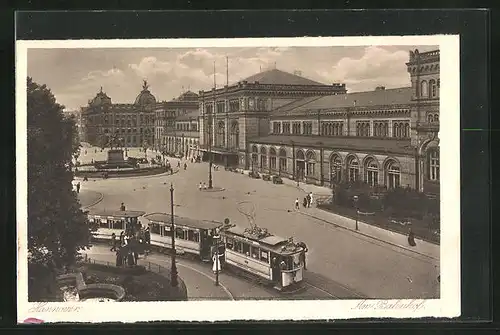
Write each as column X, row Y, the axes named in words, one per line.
column 369, row 236
column 101, row 196
column 163, row 174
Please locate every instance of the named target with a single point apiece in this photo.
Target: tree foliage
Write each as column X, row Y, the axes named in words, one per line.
column 57, row 227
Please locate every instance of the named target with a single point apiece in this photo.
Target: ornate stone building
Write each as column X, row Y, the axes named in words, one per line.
column 130, row 125
column 383, row 137
column 231, row 115
column 176, row 125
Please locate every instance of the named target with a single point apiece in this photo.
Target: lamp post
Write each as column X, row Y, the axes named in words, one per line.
column 356, row 198
column 216, row 239
column 321, row 153
column 173, row 270
column 209, row 152
column 295, row 174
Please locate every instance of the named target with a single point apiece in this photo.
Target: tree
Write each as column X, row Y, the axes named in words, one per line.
column 57, row 227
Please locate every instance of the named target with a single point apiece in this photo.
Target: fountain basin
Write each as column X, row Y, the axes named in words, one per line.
column 75, row 289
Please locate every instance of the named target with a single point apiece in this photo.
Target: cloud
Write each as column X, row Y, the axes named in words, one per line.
column 98, row 75
column 377, row 66
column 150, row 66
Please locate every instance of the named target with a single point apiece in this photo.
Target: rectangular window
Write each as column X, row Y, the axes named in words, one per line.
column 238, row 246
column 155, row 228
column 116, row 224
column 180, row 234
column 307, row 128
column 255, row 252
column 167, row 231
column 264, row 256
column 246, row 249
column 229, row 243
column 286, row 127
column 296, row 128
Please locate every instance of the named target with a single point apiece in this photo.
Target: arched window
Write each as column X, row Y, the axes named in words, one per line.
column 300, row 164
column 254, row 156
column 221, row 134
column 371, row 168
column 392, row 174
column 395, row 130
column 335, row 169
column 407, row 129
column 352, row 168
column 430, row 118
column 436, row 118
column 263, row 158
column 330, row 129
column 433, row 162
column 424, row 89
column 272, row 159
column 234, row 136
column 310, row 163
column 432, row 88
column 282, row 162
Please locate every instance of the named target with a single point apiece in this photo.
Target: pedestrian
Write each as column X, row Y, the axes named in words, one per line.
column 78, row 187
column 297, row 206
column 411, row 238
column 185, row 166
column 119, row 258
column 113, row 242
column 204, row 186
column 305, row 202
column 179, row 164
column 310, row 199
column 147, row 237
column 122, row 239
column 122, row 207
column 200, row 186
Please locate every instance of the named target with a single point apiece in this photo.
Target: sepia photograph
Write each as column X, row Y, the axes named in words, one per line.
column 287, row 178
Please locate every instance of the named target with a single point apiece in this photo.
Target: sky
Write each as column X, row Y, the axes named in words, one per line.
column 76, row 75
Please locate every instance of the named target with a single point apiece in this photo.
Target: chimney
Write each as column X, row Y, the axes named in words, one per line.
column 380, row 88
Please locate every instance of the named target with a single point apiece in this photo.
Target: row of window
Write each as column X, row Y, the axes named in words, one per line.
column 129, row 130
column 187, row 126
column 306, row 166
column 133, row 139
column 381, row 129
column 186, row 234
column 248, row 250
column 433, row 117
column 429, row 89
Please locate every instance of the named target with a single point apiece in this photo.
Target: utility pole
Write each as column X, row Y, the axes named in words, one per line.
column 173, row 270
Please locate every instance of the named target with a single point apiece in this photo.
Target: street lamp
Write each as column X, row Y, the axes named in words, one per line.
column 295, row 174
column 216, row 239
column 173, row 270
column 356, row 198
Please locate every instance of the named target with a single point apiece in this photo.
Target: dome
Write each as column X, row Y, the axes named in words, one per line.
column 101, row 98
column 145, row 97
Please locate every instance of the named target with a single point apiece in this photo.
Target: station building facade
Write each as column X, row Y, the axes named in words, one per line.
column 232, row 115
column 176, row 125
column 119, row 124
column 384, row 137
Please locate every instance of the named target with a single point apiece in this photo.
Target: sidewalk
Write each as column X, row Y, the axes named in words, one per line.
column 423, row 248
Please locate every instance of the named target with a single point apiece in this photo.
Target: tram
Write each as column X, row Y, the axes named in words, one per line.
column 275, row 259
column 191, row 236
column 109, row 222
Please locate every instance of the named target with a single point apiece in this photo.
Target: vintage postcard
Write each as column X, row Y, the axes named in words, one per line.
column 238, row 179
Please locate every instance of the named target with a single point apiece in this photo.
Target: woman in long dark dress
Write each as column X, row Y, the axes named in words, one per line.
column 411, row 238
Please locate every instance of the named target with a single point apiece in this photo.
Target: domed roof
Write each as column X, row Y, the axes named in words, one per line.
column 145, row 97
column 100, row 99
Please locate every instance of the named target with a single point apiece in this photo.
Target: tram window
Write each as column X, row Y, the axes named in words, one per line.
column 192, row 234
column 264, row 256
column 296, row 260
column 116, row 224
column 255, row 252
column 229, row 243
column 196, row 236
column 179, row 233
column 167, row 231
column 238, row 246
column 103, row 224
column 246, row 249
column 155, row 228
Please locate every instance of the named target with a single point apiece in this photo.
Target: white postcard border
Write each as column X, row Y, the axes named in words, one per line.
column 447, row 306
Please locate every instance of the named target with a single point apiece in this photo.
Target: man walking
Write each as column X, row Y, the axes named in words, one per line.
column 78, row 187
column 297, row 204
column 310, row 199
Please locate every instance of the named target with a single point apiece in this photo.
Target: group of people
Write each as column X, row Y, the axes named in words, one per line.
column 307, row 202
column 129, row 245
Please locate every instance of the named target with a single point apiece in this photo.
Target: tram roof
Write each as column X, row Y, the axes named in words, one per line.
column 269, row 240
column 119, row 214
column 183, row 221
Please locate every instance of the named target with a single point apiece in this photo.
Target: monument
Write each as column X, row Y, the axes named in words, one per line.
column 115, row 156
